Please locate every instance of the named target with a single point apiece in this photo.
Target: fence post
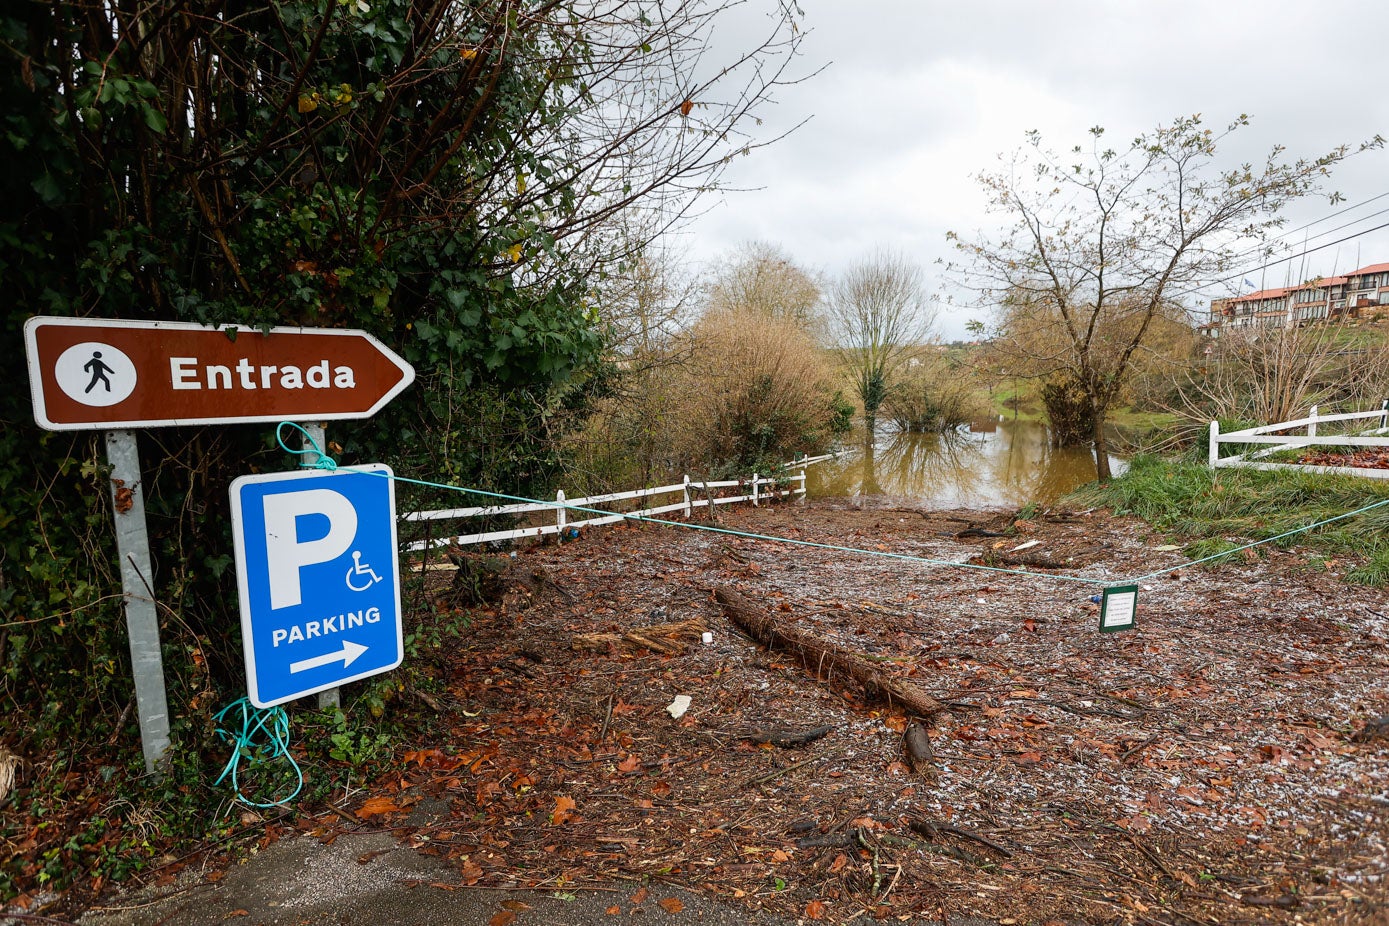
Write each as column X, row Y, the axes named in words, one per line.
column 1214, row 453
column 755, row 478
column 1312, row 427
column 689, row 508
column 561, row 516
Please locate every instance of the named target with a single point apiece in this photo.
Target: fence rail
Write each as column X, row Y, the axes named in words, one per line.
column 760, row 488
column 1273, row 435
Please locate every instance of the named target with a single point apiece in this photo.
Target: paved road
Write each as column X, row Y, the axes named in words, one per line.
column 371, row 880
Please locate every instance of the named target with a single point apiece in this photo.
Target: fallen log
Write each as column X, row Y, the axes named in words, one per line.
column 917, row 745
column 932, row 830
column 823, row 658
column 669, row 638
column 1035, row 560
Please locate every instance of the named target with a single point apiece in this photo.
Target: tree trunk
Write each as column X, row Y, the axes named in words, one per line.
column 1101, row 444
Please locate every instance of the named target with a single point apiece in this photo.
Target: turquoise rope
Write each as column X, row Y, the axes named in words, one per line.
column 326, row 462
column 1250, row 546
column 271, row 726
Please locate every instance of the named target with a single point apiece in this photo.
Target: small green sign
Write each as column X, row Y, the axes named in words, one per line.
column 1118, row 608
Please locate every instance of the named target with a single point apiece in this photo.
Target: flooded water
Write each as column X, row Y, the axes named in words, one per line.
column 996, row 463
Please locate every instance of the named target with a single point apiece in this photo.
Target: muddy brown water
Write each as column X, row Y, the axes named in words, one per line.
column 987, row 464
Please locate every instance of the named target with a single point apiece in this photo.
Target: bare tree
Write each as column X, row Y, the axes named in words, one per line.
column 878, row 314
column 1030, row 341
column 1104, row 238
column 647, row 302
column 762, row 280
column 1277, row 373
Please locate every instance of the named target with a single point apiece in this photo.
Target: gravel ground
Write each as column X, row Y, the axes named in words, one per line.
column 1221, row 763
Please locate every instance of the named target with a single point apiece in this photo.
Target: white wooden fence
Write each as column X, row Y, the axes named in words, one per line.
column 579, row 512
column 1270, row 434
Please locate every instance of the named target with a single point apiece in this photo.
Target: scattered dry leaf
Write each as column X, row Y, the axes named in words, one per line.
column 378, row 805
column 564, row 810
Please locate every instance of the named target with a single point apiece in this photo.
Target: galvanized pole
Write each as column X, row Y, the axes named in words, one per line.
column 317, row 434
column 137, row 578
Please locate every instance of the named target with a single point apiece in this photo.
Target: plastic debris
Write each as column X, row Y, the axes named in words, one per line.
column 677, row 708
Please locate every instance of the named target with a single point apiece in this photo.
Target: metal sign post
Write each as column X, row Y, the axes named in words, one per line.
column 108, row 374
column 137, row 585
column 317, row 434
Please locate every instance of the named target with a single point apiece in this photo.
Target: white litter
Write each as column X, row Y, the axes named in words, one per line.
column 677, row 708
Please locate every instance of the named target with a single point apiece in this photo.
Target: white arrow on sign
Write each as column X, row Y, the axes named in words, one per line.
column 348, row 655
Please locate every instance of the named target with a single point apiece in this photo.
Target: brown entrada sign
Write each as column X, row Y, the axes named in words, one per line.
column 107, row 373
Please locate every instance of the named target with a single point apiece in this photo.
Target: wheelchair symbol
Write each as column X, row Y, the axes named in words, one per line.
column 359, row 568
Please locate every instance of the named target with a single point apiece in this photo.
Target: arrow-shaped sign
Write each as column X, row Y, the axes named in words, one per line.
column 111, row 373
column 347, row 655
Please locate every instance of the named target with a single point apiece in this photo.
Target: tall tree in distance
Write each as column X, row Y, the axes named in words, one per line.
column 1103, row 239
column 878, row 313
column 762, row 280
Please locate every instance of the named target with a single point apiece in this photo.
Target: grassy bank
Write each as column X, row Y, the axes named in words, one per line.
column 1214, row 512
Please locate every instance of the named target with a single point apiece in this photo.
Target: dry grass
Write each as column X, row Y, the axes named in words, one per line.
column 743, row 389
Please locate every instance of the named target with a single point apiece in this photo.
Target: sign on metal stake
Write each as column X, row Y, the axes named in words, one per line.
column 141, row 612
column 107, row 374
column 318, row 434
column 319, row 575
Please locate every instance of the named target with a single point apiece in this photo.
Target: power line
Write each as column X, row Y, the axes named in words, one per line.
column 1325, row 218
column 1274, row 263
column 1329, row 231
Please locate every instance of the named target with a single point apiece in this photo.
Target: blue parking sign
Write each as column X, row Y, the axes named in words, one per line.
column 319, row 580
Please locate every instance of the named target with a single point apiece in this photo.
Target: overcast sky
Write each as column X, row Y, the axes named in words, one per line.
column 920, row 95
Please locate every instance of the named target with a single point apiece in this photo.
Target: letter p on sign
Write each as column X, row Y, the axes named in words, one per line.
column 287, row 554
column 313, row 548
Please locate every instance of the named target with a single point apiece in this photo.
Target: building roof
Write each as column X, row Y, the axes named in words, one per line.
column 1263, row 294
column 1320, row 282
column 1372, row 268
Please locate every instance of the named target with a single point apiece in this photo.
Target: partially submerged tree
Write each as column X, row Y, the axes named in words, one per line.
column 1103, row 239
column 878, row 313
column 1029, row 341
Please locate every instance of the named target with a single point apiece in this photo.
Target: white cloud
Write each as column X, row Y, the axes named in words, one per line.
column 920, row 96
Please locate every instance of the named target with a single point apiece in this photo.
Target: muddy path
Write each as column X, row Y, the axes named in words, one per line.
column 1221, row 763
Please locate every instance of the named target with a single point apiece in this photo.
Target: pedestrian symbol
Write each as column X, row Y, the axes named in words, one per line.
column 95, row 374
column 99, row 371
